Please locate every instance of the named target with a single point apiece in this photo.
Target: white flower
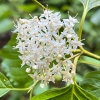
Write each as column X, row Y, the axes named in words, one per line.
column 72, row 21
column 42, row 85
column 59, row 56
column 28, row 70
column 56, row 70
column 35, row 67
column 35, row 76
column 41, row 42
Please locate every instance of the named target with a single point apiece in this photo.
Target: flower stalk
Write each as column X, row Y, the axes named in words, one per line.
column 85, row 52
column 39, row 4
column 31, row 89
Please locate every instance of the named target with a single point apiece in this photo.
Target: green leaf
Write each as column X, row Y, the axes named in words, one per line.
column 5, row 11
column 90, row 61
column 54, row 2
column 72, row 92
column 91, row 83
column 89, row 4
column 3, row 92
column 5, row 85
column 12, row 65
column 78, row 78
column 95, row 19
column 5, row 25
column 27, row 7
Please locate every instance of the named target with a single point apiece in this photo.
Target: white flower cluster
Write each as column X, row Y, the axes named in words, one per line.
column 43, row 43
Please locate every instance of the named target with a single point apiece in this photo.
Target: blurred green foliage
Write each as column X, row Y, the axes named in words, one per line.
column 11, row 10
column 91, row 83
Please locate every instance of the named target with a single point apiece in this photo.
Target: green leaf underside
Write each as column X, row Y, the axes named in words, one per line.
column 3, row 92
column 90, row 61
column 12, row 65
column 5, row 85
column 89, row 4
column 91, row 83
column 72, row 92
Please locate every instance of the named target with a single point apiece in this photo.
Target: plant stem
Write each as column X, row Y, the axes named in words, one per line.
column 32, row 86
column 74, row 56
column 90, row 54
column 76, row 60
column 82, row 21
column 31, row 89
column 77, row 50
column 75, row 63
column 39, row 4
column 18, row 89
column 31, row 94
column 81, row 25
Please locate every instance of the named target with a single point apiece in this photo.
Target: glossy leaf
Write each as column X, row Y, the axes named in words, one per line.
column 72, row 92
column 5, row 85
column 12, row 65
column 89, row 4
column 91, row 83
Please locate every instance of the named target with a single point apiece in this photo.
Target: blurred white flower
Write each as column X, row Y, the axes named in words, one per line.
column 28, row 70
column 42, row 85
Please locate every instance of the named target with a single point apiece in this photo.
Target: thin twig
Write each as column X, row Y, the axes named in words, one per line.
column 74, row 56
column 39, row 4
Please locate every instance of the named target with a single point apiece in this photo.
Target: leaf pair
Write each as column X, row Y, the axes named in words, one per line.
column 72, row 92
